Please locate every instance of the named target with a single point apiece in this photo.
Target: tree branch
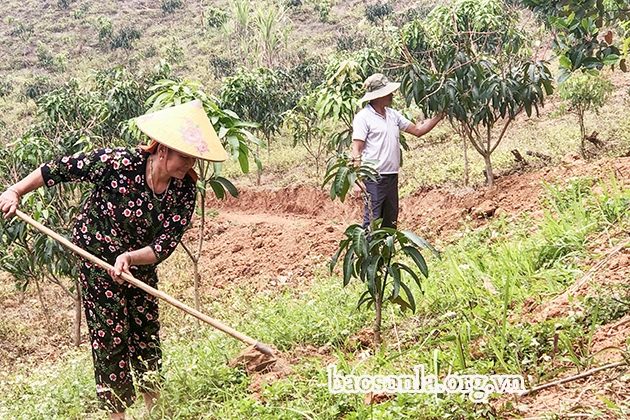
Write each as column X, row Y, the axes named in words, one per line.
column 575, row 378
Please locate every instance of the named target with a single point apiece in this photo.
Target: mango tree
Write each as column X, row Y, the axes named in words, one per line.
column 378, row 257
column 338, row 97
column 588, row 34
column 29, row 256
column 307, row 129
column 261, row 95
column 74, row 117
column 77, row 117
column 469, row 60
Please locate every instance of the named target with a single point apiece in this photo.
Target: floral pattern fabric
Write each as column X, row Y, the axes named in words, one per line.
column 122, row 214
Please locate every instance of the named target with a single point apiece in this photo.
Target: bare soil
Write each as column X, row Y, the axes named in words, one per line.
column 280, row 238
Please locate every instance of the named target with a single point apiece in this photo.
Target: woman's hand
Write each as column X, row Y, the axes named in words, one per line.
column 9, row 201
column 122, row 265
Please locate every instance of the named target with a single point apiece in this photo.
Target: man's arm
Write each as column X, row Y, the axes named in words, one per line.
column 425, row 127
column 357, row 150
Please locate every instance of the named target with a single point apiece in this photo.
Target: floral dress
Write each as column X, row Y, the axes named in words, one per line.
column 123, row 214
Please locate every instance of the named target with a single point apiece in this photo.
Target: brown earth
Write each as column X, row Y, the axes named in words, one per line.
column 280, row 238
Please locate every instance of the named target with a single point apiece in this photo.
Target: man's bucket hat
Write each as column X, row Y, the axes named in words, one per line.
column 377, row 86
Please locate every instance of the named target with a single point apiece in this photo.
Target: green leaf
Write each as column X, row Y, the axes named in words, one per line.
column 373, row 268
column 419, row 241
column 341, row 184
column 342, row 245
column 410, row 299
column 360, row 242
column 395, row 273
column 412, row 274
column 218, row 189
column 611, row 59
column 348, row 266
column 417, row 257
column 565, row 62
column 366, row 297
column 227, row 185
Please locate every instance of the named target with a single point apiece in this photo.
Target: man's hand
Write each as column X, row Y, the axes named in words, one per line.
column 358, row 189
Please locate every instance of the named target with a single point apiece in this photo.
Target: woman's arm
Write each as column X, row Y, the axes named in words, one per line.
column 10, row 199
column 142, row 256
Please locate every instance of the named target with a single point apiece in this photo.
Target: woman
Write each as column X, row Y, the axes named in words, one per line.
column 140, row 205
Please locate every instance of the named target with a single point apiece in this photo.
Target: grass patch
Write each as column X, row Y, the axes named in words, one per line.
column 470, row 320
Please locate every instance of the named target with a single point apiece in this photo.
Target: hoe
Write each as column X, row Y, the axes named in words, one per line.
column 269, row 356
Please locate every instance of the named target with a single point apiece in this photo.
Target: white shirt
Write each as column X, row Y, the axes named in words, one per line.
column 381, row 136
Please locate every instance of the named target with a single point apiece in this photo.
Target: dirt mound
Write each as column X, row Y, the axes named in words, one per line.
column 274, row 238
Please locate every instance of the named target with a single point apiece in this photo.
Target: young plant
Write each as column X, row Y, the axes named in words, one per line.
column 585, row 92
column 234, row 136
column 376, row 256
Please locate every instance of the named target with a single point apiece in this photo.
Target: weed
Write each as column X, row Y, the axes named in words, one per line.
column 216, row 18
column 64, row 4
column 6, row 87
column 125, row 38
column 22, row 30
column 40, row 85
column 611, row 303
column 169, row 6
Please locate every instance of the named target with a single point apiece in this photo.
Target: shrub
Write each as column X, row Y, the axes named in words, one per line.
column 415, row 13
column 125, row 38
column 323, row 8
column 585, row 92
column 216, row 17
column 169, row 6
column 151, row 51
column 308, row 71
column 174, row 52
column 376, row 13
column 23, row 31
column 105, row 29
column 351, row 42
column 55, row 63
column 6, row 88
column 40, row 85
column 222, row 66
column 64, row 4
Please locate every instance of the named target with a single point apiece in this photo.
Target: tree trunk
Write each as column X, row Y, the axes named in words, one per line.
column 582, row 134
column 41, row 299
column 78, row 309
column 466, row 163
column 378, row 309
column 489, row 174
column 258, row 171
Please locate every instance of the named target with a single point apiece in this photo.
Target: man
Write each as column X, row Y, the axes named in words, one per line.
column 376, row 136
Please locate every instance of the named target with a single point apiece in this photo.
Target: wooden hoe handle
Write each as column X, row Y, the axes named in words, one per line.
column 141, row 285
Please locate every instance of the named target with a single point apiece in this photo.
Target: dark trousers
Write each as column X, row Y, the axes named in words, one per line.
column 384, row 198
column 124, row 335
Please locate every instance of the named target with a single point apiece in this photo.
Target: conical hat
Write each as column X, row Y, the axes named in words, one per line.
column 185, row 128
